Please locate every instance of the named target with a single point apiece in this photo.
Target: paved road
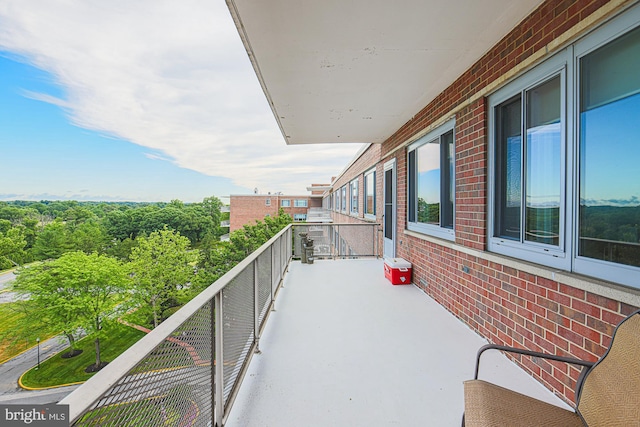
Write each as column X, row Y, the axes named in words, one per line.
column 10, row 372
column 5, row 278
column 5, row 281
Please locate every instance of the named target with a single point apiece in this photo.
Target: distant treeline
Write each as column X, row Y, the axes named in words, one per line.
column 33, row 231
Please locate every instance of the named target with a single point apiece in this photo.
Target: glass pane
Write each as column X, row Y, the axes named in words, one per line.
column 411, row 183
column 388, row 204
column 369, row 185
column 508, row 169
column 428, row 182
column 543, row 183
column 609, row 223
column 448, row 183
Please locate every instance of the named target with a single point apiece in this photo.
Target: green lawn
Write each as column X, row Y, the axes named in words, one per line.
column 156, row 411
column 18, row 332
column 56, row 370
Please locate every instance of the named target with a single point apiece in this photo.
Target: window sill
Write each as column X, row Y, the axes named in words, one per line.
column 603, row 288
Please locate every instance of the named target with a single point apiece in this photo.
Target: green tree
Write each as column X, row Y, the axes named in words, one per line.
column 219, row 257
column 88, row 237
column 75, row 291
column 51, row 242
column 12, row 245
column 162, row 265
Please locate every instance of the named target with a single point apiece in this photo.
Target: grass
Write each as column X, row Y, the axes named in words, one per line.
column 56, row 370
column 17, row 331
column 161, row 410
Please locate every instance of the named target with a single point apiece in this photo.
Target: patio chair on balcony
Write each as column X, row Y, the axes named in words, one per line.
column 607, row 392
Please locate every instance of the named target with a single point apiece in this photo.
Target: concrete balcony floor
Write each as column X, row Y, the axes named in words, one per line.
column 346, row 348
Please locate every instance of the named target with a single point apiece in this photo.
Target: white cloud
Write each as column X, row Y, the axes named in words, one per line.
column 169, row 75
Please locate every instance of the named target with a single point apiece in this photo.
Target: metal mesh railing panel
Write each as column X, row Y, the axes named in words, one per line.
column 337, row 240
column 238, row 324
column 264, row 284
column 354, row 240
column 171, row 386
column 171, row 383
column 297, row 241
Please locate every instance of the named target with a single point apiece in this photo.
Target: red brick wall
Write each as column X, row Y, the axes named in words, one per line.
column 506, row 305
column 247, row 209
column 368, row 159
column 471, row 175
column 515, row 308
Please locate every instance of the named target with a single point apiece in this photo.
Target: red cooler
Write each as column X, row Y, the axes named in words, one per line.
column 397, row 270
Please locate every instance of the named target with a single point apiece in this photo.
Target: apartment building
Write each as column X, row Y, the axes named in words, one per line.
column 246, row 209
column 502, row 156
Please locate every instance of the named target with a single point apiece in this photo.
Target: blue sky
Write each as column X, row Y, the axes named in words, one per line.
column 44, row 156
column 145, row 101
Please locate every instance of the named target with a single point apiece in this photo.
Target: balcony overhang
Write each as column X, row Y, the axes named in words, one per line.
column 356, row 71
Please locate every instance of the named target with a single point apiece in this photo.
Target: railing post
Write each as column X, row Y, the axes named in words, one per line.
column 219, row 357
column 373, row 236
column 256, row 304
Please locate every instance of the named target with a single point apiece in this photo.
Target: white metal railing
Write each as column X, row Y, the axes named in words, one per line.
column 188, row 370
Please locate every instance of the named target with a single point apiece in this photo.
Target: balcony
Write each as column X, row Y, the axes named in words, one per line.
column 318, row 215
column 333, row 343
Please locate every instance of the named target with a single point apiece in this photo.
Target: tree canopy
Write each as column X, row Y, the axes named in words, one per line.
column 162, row 265
column 75, row 291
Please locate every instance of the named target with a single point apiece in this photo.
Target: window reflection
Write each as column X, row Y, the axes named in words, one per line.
column 508, row 166
column 428, row 183
column 609, row 223
column 543, row 183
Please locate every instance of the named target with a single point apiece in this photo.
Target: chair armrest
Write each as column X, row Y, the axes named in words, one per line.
column 528, row 353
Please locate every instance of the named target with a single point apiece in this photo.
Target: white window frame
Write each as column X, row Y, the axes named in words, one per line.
column 620, row 273
column 368, row 215
column 300, row 203
column 267, row 202
column 343, row 199
column 285, row 203
column 432, row 229
column 566, row 62
column 552, row 256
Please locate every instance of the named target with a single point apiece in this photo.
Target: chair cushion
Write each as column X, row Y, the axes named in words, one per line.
column 610, row 394
column 488, row 405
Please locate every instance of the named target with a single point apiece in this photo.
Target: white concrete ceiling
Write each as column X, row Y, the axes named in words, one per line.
column 357, row 70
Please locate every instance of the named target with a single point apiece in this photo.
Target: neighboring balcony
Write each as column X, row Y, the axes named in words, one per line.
column 293, row 344
column 319, row 215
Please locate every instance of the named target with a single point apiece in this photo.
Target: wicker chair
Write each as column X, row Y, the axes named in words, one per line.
column 607, row 392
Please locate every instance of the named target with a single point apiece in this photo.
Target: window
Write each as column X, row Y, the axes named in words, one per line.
column 528, row 190
column 529, row 128
column 354, row 196
column 343, row 198
column 564, row 155
column 609, row 154
column 431, row 183
column 370, row 193
column 267, row 202
column 299, row 217
column 301, row 203
column 285, row 203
